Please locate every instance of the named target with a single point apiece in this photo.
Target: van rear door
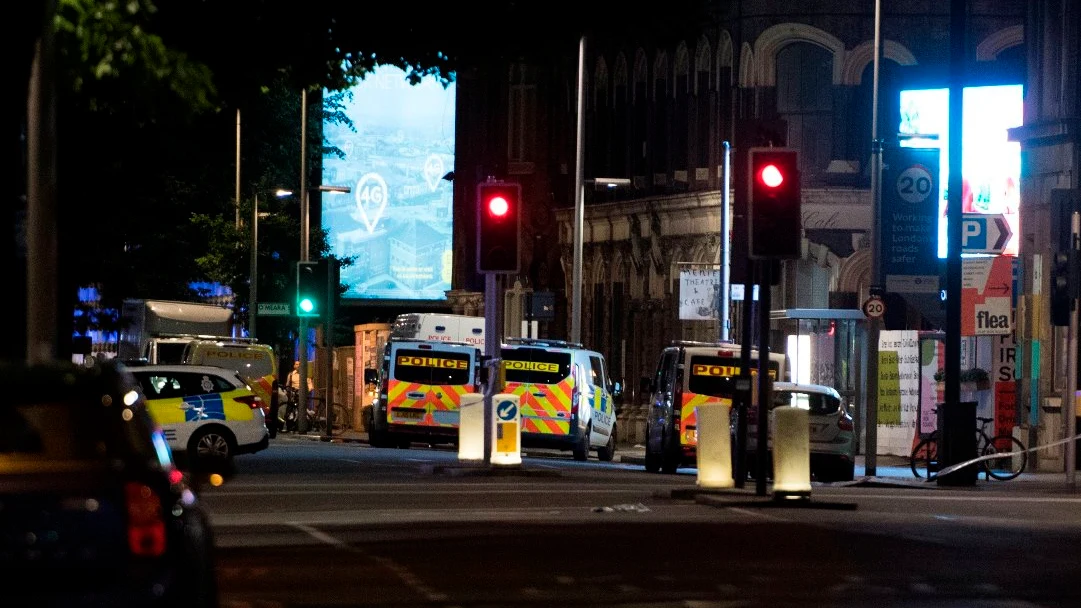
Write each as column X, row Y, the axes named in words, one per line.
column 545, row 386
column 426, row 382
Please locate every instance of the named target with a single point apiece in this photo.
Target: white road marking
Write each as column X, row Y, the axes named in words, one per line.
column 756, row 514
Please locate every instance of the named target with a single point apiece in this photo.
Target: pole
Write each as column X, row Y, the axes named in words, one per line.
column 491, row 345
column 952, row 397
column 41, row 217
column 1069, row 412
column 726, row 244
column 874, row 327
column 302, row 339
column 237, row 195
column 253, row 276
column 764, row 383
column 328, row 340
column 579, row 199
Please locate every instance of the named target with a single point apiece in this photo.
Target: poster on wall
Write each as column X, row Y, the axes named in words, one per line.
column 699, row 290
column 898, row 390
column 397, row 223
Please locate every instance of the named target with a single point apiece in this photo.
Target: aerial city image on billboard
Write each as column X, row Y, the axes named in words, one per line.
column 396, row 224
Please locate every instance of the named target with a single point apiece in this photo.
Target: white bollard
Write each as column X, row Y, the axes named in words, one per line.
column 791, row 453
column 506, row 430
column 715, row 445
column 471, row 427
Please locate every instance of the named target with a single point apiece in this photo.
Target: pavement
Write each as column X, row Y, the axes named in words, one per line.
column 889, row 470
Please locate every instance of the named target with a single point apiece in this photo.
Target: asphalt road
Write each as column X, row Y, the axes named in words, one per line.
column 315, row 524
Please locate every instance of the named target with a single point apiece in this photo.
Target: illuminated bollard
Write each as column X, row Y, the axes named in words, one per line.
column 715, row 445
column 791, row 453
column 471, row 427
column 506, row 430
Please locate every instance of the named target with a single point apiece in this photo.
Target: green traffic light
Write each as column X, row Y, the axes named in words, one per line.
column 307, row 305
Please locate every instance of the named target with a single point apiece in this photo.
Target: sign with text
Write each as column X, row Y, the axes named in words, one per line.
column 909, row 215
column 982, row 233
column 698, row 294
column 986, row 296
column 898, row 390
column 274, row 309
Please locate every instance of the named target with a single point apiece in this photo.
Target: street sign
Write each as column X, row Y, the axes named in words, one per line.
column 874, row 307
column 984, row 233
column 274, row 309
column 987, row 296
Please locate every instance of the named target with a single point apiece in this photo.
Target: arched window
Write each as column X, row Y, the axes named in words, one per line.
column 805, row 100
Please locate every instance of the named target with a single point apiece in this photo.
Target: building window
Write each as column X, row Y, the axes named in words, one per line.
column 805, row 100
column 522, row 115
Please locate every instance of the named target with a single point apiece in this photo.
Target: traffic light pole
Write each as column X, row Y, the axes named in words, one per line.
column 1069, row 412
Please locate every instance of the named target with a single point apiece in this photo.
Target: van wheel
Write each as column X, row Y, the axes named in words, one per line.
column 608, row 452
column 670, row 453
column 581, row 447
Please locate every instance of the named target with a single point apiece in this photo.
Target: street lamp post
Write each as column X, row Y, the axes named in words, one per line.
column 253, row 276
column 302, row 403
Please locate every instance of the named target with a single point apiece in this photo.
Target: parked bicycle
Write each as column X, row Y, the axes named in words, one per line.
column 1012, row 462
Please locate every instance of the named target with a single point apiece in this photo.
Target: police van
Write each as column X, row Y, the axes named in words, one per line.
column 429, row 362
column 689, row 374
column 255, row 362
column 566, row 398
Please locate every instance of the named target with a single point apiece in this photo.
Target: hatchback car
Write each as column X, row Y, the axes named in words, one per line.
column 832, row 440
column 207, row 412
column 92, row 510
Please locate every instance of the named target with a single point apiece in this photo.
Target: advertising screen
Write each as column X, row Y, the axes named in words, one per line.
column 991, row 165
column 397, row 223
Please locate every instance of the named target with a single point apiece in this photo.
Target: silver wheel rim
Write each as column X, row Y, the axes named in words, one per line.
column 213, row 445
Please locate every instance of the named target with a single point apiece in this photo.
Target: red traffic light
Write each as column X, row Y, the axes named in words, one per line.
column 498, row 206
column 771, row 176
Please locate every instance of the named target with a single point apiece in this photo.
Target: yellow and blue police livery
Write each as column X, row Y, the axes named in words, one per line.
column 208, row 412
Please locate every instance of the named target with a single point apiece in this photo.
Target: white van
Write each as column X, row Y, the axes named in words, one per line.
column 566, row 397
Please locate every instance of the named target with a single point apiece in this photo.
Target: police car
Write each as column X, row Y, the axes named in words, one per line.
column 566, row 397
column 208, row 412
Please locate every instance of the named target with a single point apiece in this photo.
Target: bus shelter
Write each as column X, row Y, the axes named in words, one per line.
column 826, row 346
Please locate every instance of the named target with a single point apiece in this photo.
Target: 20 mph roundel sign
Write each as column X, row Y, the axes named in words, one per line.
column 874, row 307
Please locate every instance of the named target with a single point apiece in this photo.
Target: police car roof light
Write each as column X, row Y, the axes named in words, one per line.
column 544, row 342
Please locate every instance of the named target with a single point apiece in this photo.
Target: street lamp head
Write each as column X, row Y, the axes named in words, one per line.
column 340, row 189
column 280, row 192
column 609, row 182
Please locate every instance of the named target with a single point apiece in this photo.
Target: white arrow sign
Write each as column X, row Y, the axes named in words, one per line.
column 984, row 233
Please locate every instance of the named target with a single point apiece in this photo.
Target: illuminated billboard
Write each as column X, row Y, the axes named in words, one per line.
column 397, row 223
column 991, row 165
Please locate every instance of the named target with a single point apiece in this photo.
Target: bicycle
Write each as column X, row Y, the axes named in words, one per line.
column 925, row 465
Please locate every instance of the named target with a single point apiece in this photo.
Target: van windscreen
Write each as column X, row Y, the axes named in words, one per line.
column 711, row 375
column 536, row 365
column 432, row 367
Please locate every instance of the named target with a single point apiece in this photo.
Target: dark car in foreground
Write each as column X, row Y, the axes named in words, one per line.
column 93, row 511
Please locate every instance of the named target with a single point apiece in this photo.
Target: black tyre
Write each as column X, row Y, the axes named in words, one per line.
column 671, row 453
column 581, row 446
column 212, row 446
column 608, row 451
column 1013, row 461
column 924, row 459
column 653, row 459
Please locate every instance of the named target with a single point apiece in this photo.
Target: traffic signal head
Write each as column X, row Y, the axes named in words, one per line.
column 498, row 227
column 312, row 289
column 775, row 225
column 1065, row 259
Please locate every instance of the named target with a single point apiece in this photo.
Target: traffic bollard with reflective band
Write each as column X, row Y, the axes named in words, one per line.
column 506, row 430
column 471, row 427
column 714, row 449
column 791, row 453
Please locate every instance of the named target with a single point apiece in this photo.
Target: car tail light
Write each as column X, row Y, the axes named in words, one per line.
column 844, row 423
column 252, row 401
column 146, row 528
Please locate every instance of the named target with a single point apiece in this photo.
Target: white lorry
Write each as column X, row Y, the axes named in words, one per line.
column 158, row 331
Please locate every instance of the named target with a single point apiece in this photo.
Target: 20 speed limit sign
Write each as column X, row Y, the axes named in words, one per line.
column 874, row 307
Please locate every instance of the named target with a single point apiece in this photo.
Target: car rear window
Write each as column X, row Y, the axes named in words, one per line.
column 433, row 367
column 816, row 403
column 536, row 365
